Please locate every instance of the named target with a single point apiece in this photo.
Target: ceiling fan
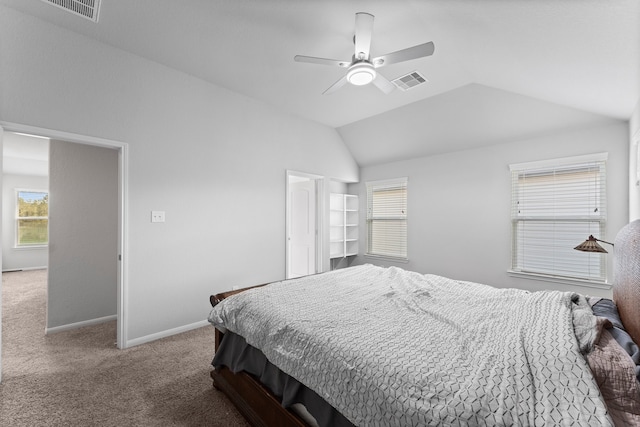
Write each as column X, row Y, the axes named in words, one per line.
column 361, row 69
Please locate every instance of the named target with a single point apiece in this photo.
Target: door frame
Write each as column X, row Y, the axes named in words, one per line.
column 123, row 186
column 319, row 220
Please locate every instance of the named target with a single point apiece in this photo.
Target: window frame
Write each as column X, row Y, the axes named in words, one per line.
column 598, row 279
column 381, row 185
column 18, row 218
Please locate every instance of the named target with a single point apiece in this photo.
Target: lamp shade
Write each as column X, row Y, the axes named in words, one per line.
column 590, row 245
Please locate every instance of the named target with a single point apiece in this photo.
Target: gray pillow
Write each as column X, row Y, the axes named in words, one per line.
column 606, row 308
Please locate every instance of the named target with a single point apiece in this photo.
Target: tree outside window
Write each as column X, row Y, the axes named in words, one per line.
column 32, row 218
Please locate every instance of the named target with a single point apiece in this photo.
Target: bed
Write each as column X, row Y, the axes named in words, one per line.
column 414, row 349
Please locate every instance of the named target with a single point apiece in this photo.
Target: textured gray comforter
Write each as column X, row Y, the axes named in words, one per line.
column 385, row 346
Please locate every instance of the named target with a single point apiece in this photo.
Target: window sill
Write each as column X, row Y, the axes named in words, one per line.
column 561, row 280
column 387, row 258
column 26, row 248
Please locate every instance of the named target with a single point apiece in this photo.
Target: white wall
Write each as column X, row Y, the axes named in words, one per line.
column 459, row 204
column 214, row 160
column 19, row 258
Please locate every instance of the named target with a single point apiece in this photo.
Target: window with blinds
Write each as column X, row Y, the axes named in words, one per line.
column 556, row 206
column 387, row 218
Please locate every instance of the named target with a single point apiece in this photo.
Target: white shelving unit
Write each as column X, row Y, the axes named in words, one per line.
column 350, row 225
column 343, row 211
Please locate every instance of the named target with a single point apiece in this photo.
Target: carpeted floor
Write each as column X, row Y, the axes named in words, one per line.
column 80, row 378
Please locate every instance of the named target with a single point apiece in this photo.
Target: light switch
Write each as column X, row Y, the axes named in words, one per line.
column 157, row 216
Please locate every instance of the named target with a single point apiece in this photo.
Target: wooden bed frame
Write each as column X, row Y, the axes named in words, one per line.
column 263, row 409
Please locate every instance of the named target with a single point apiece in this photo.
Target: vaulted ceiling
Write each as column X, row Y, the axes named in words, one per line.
column 502, row 70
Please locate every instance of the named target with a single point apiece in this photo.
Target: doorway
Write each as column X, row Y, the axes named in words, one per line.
column 122, row 181
column 304, row 221
column 25, row 182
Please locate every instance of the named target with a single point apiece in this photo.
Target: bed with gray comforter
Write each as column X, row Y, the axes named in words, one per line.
column 389, row 347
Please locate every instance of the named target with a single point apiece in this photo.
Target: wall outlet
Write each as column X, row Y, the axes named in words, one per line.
column 157, row 216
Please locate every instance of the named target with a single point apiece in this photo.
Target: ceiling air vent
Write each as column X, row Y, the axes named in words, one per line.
column 85, row 8
column 410, row 80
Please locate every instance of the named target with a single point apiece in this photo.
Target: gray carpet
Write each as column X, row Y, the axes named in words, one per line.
column 80, row 378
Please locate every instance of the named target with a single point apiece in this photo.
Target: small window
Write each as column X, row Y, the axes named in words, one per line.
column 32, row 218
column 555, row 206
column 387, row 218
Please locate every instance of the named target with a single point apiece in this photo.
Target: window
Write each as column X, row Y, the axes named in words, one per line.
column 555, row 206
column 32, row 218
column 387, row 218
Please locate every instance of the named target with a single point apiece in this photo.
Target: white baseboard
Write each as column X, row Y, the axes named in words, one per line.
column 10, row 270
column 148, row 338
column 136, row 341
column 77, row 325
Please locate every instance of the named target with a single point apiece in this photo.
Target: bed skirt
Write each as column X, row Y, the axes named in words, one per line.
column 235, row 354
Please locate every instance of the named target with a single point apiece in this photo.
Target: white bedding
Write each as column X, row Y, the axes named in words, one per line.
column 390, row 347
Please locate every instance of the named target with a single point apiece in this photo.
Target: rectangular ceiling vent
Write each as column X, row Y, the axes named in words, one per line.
column 410, row 80
column 85, row 8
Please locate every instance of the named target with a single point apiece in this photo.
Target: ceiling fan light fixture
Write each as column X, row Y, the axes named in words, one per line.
column 361, row 74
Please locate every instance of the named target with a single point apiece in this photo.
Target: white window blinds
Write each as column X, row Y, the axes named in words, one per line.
column 387, row 218
column 555, row 206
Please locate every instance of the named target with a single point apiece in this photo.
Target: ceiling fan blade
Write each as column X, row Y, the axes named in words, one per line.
column 383, row 84
column 337, row 85
column 321, row 61
column 364, row 28
column 407, row 54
